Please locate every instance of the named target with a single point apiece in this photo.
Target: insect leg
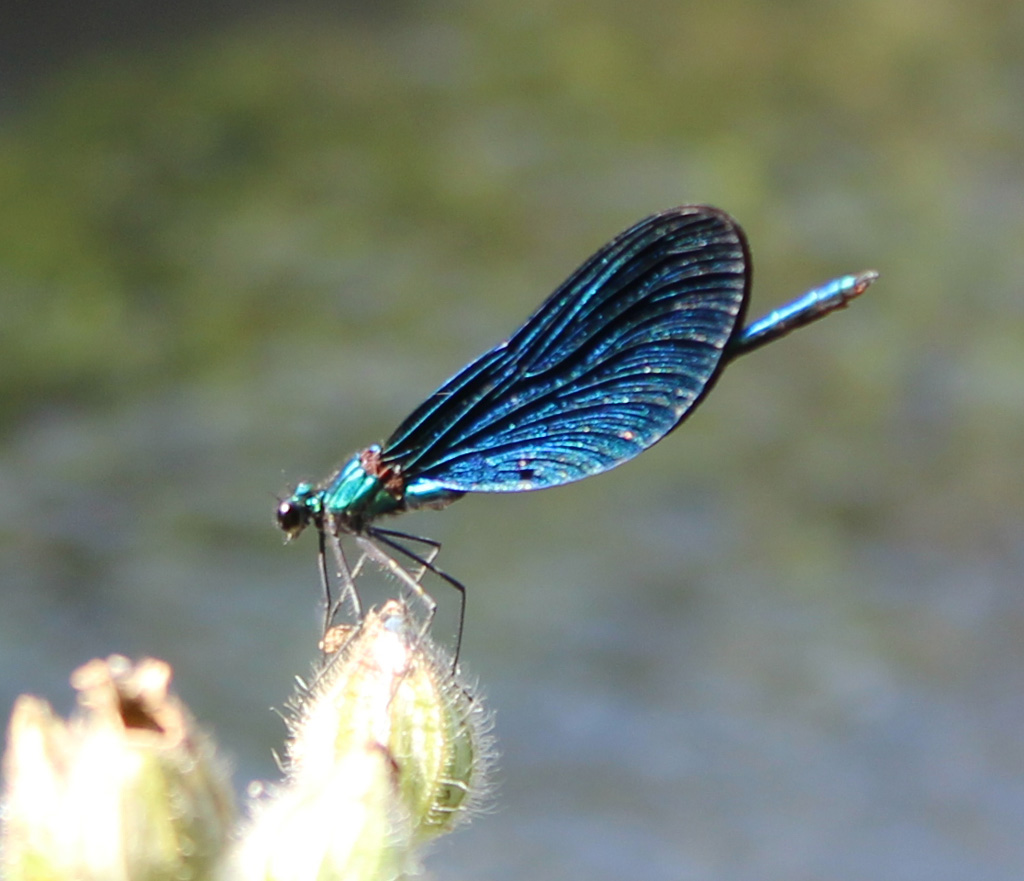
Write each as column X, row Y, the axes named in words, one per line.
column 393, row 540
column 348, row 595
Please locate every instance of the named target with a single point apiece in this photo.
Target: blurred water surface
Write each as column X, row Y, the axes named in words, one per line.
column 787, row 643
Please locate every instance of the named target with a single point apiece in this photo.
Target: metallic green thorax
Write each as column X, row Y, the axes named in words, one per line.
column 363, row 490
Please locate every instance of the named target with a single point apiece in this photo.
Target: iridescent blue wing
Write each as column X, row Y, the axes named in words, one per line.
column 607, row 366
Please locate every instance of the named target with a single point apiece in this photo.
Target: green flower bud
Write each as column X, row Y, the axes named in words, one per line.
column 387, row 750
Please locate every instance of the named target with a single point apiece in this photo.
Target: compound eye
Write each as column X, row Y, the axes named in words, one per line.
column 292, row 518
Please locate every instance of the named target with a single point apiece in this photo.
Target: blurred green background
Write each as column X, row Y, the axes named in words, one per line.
column 788, row 643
